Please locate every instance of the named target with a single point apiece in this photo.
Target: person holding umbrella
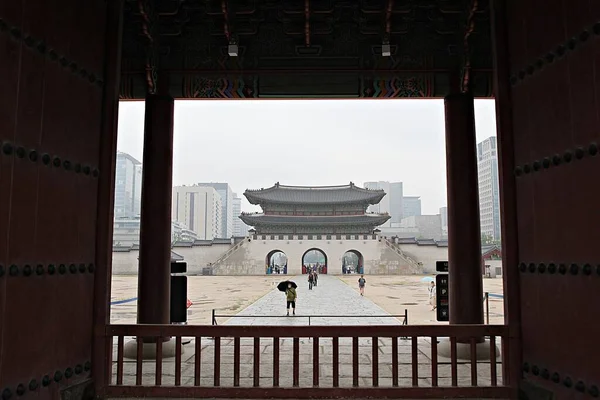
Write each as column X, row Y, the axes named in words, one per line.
column 291, row 296
column 289, row 288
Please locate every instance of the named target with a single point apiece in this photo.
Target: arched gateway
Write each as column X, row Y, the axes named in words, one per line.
column 353, row 262
column 307, row 213
column 314, row 259
column 276, row 262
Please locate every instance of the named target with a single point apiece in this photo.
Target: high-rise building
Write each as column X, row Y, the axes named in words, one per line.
column 444, row 219
column 239, row 227
column 392, row 203
column 199, row 208
column 126, row 232
column 489, row 188
column 226, row 194
column 411, row 206
column 128, row 186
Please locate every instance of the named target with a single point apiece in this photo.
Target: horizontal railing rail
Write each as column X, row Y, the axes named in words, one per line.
column 404, row 316
column 261, row 368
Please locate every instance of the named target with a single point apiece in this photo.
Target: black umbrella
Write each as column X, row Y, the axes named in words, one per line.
column 284, row 285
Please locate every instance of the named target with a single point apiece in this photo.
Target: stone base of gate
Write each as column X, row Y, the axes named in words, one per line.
column 463, row 350
column 149, row 350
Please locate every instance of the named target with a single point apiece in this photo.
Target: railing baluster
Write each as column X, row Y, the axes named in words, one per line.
column 178, row 361
column 493, row 372
column 375, row 361
column 355, row 361
column 120, row 345
column 275, row 362
column 217, row 361
column 336, row 362
column 395, row 361
column 505, row 360
column 139, row 361
column 197, row 360
column 296, row 361
column 236, row 361
column 316, row 361
column 415, row 361
column 159, row 353
column 453, row 361
column 256, row 362
column 434, row 362
column 473, row 362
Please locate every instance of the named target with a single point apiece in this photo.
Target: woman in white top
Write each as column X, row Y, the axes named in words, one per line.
column 432, row 299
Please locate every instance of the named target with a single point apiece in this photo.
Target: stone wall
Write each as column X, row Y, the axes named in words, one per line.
column 427, row 255
column 250, row 257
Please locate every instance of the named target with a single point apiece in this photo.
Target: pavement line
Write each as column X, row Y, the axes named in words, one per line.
column 252, row 303
column 114, row 303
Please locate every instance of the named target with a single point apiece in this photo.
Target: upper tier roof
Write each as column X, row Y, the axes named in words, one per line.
column 366, row 219
column 314, row 194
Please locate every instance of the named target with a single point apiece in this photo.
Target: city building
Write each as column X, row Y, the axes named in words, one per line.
column 199, row 208
column 126, row 232
column 320, row 210
column 227, row 197
column 444, row 219
column 392, row 203
column 411, row 206
column 424, row 226
column 128, row 186
column 489, row 188
column 239, row 227
column 181, row 233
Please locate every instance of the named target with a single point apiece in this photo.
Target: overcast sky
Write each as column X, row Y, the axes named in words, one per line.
column 252, row 144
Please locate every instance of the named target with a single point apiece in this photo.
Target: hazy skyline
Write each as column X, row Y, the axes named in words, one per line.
column 252, row 144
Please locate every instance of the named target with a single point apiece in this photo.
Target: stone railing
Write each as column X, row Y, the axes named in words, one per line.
column 416, row 266
column 229, row 252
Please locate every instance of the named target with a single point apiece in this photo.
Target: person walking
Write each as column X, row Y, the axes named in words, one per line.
column 310, row 281
column 315, row 278
column 361, row 285
column 291, row 295
column 432, row 296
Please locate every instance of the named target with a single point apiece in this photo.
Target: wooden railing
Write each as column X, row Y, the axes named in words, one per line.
column 311, row 362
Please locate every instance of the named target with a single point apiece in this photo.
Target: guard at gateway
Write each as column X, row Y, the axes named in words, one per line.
column 316, row 213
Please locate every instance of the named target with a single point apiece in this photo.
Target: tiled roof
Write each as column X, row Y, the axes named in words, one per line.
column 488, row 248
column 261, row 219
column 314, row 194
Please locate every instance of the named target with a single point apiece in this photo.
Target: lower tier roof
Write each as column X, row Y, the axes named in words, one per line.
column 366, row 219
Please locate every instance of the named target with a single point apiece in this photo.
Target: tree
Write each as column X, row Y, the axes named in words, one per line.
column 488, row 239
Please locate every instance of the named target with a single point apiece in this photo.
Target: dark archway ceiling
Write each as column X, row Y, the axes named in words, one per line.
column 306, row 48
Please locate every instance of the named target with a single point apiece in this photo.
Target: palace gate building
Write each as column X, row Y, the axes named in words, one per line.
column 321, row 211
column 331, row 220
column 65, row 64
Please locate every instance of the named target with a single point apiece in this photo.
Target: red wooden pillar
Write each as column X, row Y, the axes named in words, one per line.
column 512, row 359
column 103, row 345
column 155, row 236
column 464, row 237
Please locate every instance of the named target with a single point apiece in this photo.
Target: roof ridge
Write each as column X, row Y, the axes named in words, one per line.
column 351, row 185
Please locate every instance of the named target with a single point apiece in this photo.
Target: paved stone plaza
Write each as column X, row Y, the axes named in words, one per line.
column 330, row 297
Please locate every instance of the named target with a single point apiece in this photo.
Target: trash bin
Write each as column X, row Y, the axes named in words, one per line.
column 179, row 297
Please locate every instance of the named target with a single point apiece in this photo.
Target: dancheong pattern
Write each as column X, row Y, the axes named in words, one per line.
column 220, row 88
column 397, row 86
